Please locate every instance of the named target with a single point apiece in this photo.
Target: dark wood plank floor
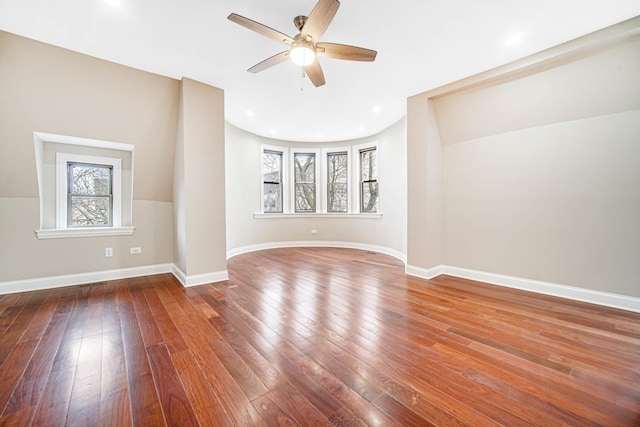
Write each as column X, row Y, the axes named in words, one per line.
column 314, row 336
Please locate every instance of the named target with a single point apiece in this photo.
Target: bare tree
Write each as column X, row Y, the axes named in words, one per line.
column 369, row 180
column 90, row 195
column 305, row 171
column 337, row 176
column 272, row 181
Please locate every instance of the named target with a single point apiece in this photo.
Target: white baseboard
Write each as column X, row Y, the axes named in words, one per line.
column 423, row 272
column 321, row 244
column 199, row 279
column 606, row 299
column 579, row 294
column 41, row 283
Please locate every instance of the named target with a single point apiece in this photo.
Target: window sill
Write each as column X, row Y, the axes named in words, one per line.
column 65, row 233
column 318, row 215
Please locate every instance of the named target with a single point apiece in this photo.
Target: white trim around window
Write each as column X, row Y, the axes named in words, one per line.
column 292, row 185
column 52, row 186
column 284, row 178
column 325, row 178
column 62, row 185
column 321, row 182
column 355, row 177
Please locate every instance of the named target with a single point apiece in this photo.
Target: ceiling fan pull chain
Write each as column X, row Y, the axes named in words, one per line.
column 302, row 80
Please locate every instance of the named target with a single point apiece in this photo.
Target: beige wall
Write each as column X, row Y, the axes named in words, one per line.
column 424, row 184
column 199, row 181
column 602, row 83
column 558, row 203
column 541, row 174
column 53, row 90
column 244, row 196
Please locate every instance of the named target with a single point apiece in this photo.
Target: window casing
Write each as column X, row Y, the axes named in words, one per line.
column 304, row 165
column 368, row 180
column 89, row 195
column 109, row 192
column 321, row 182
column 272, row 180
column 75, row 195
column 337, row 181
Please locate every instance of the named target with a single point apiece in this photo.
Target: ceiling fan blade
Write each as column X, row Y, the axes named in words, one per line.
column 270, row 62
column 320, row 18
column 260, row 28
column 314, row 71
column 343, row 51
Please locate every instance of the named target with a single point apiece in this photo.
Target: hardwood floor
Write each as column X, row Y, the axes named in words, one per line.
column 314, row 336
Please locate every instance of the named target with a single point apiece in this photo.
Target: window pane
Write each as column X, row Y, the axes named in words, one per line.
column 305, row 180
column 369, row 193
column 368, row 165
column 90, row 211
column 305, row 198
column 305, row 165
column 337, row 175
column 272, row 182
column 272, row 198
column 337, row 167
column 337, row 201
column 272, row 166
column 90, row 201
column 90, row 179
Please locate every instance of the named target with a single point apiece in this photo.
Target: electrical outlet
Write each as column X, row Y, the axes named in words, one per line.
column 314, row 231
column 108, row 252
column 136, row 250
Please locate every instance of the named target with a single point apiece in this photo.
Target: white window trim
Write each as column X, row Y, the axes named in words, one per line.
column 356, row 174
column 285, row 177
column 325, row 178
column 292, row 189
column 62, row 186
column 288, row 188
column 39, row 139
column 63, row 233
column 318, row 215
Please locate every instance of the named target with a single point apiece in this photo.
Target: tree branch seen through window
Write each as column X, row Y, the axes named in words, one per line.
column 90, row 195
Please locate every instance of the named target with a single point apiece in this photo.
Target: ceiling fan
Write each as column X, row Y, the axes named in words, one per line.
column 305, row 47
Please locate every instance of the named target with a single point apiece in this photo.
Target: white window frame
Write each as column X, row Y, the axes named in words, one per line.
column 292, row 186
column 288, row 185
column 356, row 149
column 62, row 186
column 325, row 178
column 285, row 178
column 60, row 229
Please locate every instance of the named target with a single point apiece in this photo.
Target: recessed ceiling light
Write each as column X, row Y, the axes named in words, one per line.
column 376, row 109
column 272, row 131
column 361, row 128
column 514, row 38
column 249, row 113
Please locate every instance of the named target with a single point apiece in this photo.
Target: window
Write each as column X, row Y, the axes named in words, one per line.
column 334, row 181
column 85, row 186
column 368, row 180
column 89, row 195
column 88, row 191
column 305, row 182
column 337, row 182
column 272, row 181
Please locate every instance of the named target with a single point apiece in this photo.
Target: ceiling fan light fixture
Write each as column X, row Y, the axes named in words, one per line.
column 302, row 55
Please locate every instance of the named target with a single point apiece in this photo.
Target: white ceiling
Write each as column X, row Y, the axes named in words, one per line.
column 421, row 44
